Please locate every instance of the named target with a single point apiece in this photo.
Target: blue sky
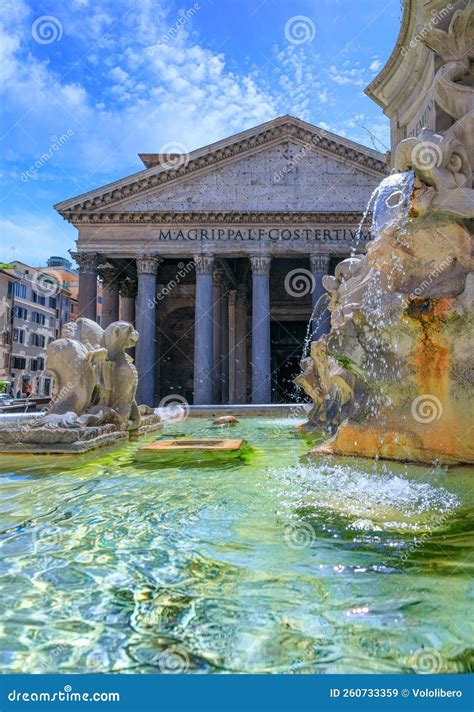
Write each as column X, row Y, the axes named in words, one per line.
column 91, row 83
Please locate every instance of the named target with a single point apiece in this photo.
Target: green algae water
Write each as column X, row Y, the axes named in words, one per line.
column 271, row 564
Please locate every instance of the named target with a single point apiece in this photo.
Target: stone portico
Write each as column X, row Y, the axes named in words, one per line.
column 218, row 256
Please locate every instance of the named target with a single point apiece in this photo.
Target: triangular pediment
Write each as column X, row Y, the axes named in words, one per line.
column 285, row 164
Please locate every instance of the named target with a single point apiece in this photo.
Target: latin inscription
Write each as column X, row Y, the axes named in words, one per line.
column 273, row 234
column 425, row 119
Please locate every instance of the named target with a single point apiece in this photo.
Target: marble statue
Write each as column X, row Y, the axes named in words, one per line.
column 95, row 387
column 402, row 314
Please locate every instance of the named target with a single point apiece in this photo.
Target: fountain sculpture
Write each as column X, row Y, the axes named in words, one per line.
column 395, row 372
column 94, row 404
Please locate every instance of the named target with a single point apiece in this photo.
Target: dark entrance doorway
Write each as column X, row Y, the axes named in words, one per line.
column 287, row 348
column 175, row 365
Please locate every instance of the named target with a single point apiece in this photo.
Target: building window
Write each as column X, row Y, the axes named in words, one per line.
column 15, row 289
column 99, row 300
column 38, row 340
column 40, row 362
column 38, row 318
column 39, row 299
column 19, row 336
column 52, row 302
column 20, row 312
column 33, row 364
column 19, row 362
column 47, row 386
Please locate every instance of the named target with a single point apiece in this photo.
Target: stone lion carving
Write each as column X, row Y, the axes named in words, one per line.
column 75, row 361
column 121, row 377
column 96, row 380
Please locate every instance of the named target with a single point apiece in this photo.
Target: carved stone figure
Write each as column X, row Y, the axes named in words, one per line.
column 96, row 383
column 403, row 313
column 121, row 375
column 76, row 362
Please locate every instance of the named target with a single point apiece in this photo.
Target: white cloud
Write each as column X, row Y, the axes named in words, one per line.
column 375, row 65
column 122, row 99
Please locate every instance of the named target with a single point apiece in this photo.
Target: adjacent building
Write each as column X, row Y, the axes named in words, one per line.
column 35, row 303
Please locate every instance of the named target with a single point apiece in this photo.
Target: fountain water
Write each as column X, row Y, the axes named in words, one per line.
column 395, row 371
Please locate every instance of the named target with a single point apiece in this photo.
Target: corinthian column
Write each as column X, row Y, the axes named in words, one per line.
column 110, row 293
column 87, row 262
column 261, row 364
column 225, row 342
column 203, row 341
column 217, row 282
column 147, row 266
column 128, row 292
column 321, row 323
column 241, row 319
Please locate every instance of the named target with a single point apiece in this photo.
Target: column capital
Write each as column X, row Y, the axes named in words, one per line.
column 218, row 277
column 87, row 261
column 108, row 273
column 241, row 294
column 148, row 264
column 319, row 263
column 203, row 264
column 128, row 288
column 260, row 265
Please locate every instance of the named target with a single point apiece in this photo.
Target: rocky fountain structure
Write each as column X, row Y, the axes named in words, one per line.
column 396, row 371
column 94, row 405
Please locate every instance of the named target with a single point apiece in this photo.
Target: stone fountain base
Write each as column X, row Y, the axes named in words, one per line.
column 59, row 441
column 61, row 437
column 369, row 441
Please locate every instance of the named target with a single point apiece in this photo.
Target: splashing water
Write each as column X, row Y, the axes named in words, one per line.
column 379, row 499
column 362, row 221
column 392, row 202
column 319, row 311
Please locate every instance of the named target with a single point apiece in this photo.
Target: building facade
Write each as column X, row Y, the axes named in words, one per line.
column 218, row 256
column 35, row 303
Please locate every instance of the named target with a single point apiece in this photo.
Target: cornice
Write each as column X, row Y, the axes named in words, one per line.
column 158, row 176
column 176, row 219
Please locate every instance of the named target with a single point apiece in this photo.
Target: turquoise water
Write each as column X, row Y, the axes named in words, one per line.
column 271, row 565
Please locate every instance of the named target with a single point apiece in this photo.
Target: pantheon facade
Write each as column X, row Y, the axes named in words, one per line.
column 217, row 256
